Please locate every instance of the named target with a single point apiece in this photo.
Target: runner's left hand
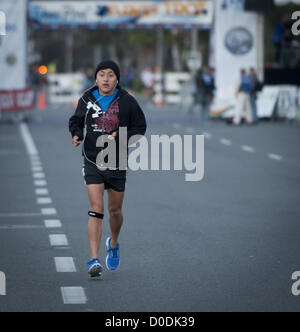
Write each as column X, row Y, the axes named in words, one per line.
column 112, row 136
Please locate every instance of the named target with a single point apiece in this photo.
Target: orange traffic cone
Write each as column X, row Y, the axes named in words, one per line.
column 42, row 103
column 159, row 100
column 159, row 103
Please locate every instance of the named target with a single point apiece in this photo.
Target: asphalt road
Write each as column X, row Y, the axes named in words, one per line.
column 227, row 243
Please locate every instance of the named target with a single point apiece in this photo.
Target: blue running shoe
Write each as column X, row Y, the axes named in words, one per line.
column 113, row 257
column 95, row 268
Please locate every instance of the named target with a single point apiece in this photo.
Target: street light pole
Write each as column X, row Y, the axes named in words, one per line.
column 159, row 79
column 69, row 42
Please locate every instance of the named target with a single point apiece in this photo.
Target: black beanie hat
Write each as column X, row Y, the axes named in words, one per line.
column 108, row 64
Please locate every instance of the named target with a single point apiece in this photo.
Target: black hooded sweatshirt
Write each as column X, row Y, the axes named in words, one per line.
column 124, row 111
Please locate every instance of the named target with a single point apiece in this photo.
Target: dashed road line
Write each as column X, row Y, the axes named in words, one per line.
column 35, row 158
column 64, row 264
column 5, row 152
column 48, row 211
column 248, row 148
column 7, row 137
column 190, row 130
column 40, row 183
column 70, row 295
column 73, row 295
column 245, row 148
column 274, row 156
column 44, row 200
column 226, row 141
column 41, row 191
column 52, row 223
column 39, row 175
column 22, row 227
column 20, row 215
column 177, row 126
column 58, row 240
column 37, row 169
column 207, row 135
column 36, row 163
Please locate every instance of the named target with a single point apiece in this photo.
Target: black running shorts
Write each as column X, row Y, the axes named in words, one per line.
column 114, row 179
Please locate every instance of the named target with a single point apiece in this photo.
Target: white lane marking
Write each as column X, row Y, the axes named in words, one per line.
column 28, row 140
column 207, row 135
column 65, row 264
column 48, row 211
column 19, row 215
column 16, row 227
column 190, row 130
column 35, row 157
column 40, row 183
column 44, row 200
column 225, row 141
column 36, row 163
column 39, row 175
column 4, row 152
column 52, row 223
column 58, row 240
column 176, row 126
column 6, row 137
column 37, row 169
column 73, row 295
column 41, row 191
column 274, row 156
column 248, row 148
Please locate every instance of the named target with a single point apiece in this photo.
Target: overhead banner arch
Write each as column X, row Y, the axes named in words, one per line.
column 121, row 14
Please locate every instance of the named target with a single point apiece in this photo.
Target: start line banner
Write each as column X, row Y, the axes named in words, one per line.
column 120, row 14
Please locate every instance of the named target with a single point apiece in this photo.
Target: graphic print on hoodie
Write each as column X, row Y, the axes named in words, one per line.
column 100, row 123
column 110, row 120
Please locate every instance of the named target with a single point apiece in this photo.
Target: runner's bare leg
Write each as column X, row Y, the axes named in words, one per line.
column 96, row 193
column 115, row 202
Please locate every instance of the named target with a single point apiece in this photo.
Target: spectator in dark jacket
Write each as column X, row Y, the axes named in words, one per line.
column 205, row 83
column 255, row 87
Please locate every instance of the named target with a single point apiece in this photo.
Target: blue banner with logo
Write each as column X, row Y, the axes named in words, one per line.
column 121, row 14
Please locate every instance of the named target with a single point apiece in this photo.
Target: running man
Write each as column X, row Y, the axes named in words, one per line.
column 102, row 111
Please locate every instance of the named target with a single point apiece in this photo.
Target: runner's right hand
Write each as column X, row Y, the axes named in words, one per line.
column 76, row 141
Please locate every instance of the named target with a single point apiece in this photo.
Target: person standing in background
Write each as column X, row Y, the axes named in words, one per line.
column 205, row 83
column 278, row 39
column 255, row 86
column 243, row 106
column 147, row 77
